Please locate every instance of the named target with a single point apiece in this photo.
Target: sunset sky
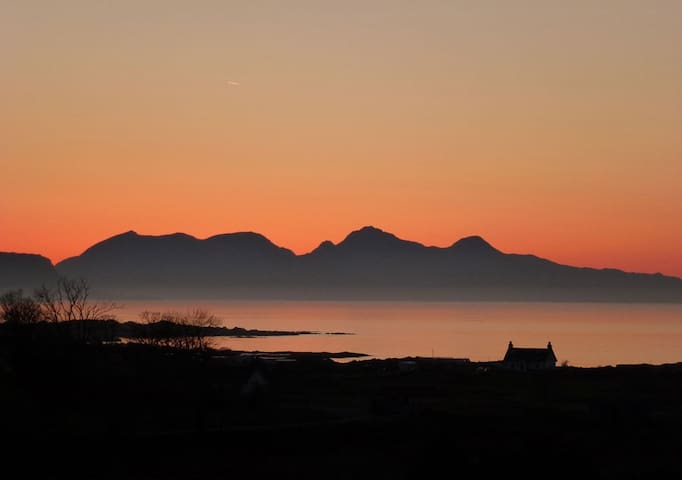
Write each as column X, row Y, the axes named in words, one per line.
column 547, row 127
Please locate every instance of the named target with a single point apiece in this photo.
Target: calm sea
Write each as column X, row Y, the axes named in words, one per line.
column 582, row 334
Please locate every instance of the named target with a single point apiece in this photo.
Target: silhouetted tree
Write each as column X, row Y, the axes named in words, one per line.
column 17, row 309
column 156, row 329
column 20, row 314
column 70, row 300
column 185, row 331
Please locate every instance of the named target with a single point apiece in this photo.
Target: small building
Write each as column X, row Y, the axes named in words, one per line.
column 529, row 358
column 255, row 386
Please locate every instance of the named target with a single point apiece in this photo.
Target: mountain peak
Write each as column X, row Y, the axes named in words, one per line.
column 325, row 246
column 370, row 236
column 374, row 239
column 247, row 240
column 473, row 243
column 369, row 232
column 128, row 234
column 240, row 236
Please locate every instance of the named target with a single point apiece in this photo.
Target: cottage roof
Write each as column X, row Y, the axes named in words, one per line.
column 516, row 354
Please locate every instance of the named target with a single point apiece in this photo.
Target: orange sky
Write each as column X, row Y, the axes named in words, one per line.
column 546, row 127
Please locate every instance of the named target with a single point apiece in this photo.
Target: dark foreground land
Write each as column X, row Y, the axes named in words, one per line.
column 132, row 411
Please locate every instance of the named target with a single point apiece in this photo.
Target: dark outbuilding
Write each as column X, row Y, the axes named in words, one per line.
column 529, row 358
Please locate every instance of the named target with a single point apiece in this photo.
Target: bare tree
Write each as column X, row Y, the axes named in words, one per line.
column 17, row 309
column 156, row 329
column 69, row 301
column 185, row 331
column 196, row 324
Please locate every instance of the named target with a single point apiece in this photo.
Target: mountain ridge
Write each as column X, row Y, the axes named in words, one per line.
column 368, row 263
column 25, row 270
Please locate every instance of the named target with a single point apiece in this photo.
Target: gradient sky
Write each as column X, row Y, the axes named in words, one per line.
column 549, row 127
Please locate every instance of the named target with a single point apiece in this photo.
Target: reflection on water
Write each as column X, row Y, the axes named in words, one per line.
column 582, row 334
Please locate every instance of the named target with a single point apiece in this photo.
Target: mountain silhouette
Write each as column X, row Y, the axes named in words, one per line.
column 180, row 260
column 24, row 270
column 368, row 264
column 375, row 241
column 473, row 244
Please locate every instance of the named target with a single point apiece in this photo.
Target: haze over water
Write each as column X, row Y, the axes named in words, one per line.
column 583, row 334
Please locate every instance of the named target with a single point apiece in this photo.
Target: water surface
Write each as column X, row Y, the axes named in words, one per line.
column 582, row 334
